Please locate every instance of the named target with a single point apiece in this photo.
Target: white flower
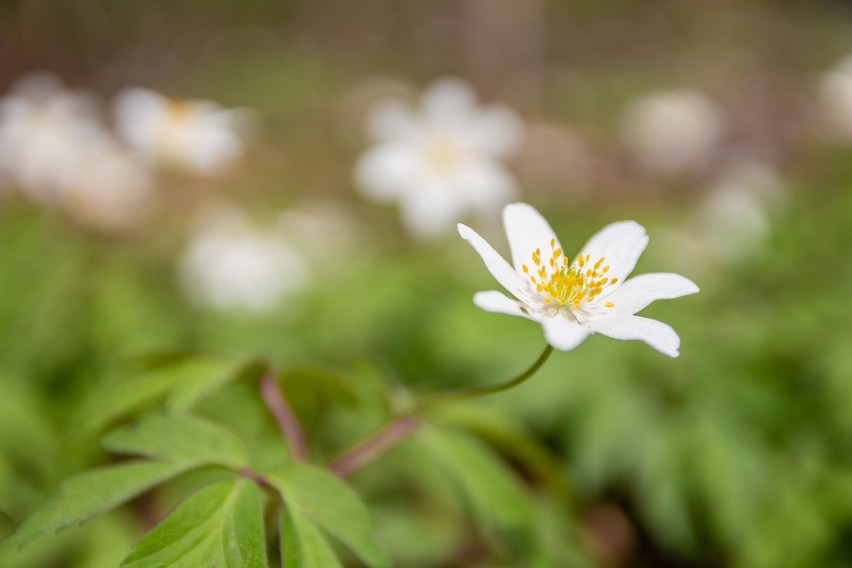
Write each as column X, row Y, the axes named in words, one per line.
column 572, row 299
column 442, row 161
column 44, row 132
column 194, row 135
column 231, row 265
column 110, row 189
column 672, row 132
column 736, row 216
column 835, row 98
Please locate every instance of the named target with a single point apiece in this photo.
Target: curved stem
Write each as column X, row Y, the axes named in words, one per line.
column 473, row 392
column 405, row 424
column 284, row 417
column 374, row 446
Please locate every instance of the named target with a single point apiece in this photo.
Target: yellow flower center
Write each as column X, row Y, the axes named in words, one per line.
column 444, row 154
column 569, row 284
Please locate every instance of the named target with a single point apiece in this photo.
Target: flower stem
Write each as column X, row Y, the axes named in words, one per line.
column 283, row 414
column 374, row 446
column 474, row 392
column 403, row 426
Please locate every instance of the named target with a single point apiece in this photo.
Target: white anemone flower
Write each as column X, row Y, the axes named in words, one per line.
column 835, row 98
column 233, row 266
column 45, row 129
column 442, row 161
column 573, row 299
column 736, row 217
column 111, row 189
column 194, row 135
column 672, row 133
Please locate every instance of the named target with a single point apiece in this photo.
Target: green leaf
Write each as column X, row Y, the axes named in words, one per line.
column 493, row 492
column 332, row 505
column 309, row 387
column 302, row 543
column 186, row 394
column 220, row 526
column 91, row 493
column 181, row 383
column 178, row 438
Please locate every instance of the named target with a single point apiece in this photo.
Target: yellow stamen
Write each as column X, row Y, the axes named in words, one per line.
column 567, row 284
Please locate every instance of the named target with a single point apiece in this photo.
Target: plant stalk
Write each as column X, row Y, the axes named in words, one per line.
column 270, row 390
column 403, row 426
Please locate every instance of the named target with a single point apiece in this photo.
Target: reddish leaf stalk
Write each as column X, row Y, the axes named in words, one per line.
column 284, row 417
column 374, row 446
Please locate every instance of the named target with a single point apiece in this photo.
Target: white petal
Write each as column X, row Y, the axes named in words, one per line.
column 386, row 170
column 139, row 116
column 563, row 333
column 499, row 303
column 655, row 333
column 486, row 184
column 621, row 244
column 448, row 101
column 638, row 292
column 497, row 130
column 527, row 231
column 391, row 120
column 496, row 264
column 429, row 209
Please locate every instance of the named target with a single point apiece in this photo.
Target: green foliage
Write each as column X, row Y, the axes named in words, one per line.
column 302, row 543
column 492, row 491
column 737, row 454
column 178, row 438
column 326, row 501
column 221, row 525
column 91, row 493
column 180, row 384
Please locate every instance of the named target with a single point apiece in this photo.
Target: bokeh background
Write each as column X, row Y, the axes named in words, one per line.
column 724, row 127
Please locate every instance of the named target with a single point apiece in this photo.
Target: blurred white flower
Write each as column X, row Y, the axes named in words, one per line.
column 835, row 99
column 442, row 160
column 736, row 216
column 110, row 189
column 45, row 130
column 573, row 299
column 194, row 135
column 672, row 133
column 232, row 265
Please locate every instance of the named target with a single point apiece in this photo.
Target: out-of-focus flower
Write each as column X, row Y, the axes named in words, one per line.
column 110, row 189
column 232, row 265
column 45, row 130
column 672, row 133
column 572, row 299
column 835, row 99
column 441, row 161
column 736, row 217
column 193, row 135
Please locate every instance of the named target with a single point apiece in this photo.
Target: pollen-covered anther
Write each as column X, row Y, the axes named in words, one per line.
column 567, row 284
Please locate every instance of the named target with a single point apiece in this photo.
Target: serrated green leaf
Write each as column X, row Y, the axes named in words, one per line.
column 220, row 526
column 91, row 493
column 493, row 492
column 186, row 394
column 332, row 505
column 302, row 543
column 181, row 384
column 178, row 438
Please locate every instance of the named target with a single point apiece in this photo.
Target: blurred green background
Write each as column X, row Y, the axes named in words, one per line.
column 739, row 453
